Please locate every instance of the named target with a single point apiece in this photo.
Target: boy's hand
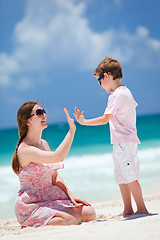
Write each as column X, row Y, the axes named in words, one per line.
column 79, row 116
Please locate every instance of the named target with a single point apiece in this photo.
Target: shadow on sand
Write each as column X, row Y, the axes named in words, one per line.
column 131, row 217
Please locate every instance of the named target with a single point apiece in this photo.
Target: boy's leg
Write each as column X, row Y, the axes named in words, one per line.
column 126, row 196
column 136, row 191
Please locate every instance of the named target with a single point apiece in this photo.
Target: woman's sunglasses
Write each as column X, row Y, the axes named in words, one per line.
column 39, row 112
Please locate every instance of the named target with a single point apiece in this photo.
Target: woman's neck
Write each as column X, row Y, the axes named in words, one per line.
column 33, row 138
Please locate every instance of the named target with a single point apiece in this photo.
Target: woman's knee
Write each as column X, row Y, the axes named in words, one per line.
column 73, row 219
column 88, row 213
column 68, row 217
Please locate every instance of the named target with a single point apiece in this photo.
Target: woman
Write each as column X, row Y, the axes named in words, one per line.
column 44, row 199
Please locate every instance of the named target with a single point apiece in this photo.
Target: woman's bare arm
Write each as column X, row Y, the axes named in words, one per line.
column 30, row 154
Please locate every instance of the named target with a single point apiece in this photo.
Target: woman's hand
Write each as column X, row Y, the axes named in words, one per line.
column 70, row 121
column 79, row 116
column 76, row 200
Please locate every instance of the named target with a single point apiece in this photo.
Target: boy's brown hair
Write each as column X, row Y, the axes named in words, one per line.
column 111, row 66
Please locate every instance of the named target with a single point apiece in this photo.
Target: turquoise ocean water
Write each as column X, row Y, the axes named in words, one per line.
column 88, row 168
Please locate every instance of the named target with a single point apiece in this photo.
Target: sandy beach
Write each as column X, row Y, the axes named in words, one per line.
column 134, row 227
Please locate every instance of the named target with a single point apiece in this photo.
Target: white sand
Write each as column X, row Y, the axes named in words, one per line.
column 133, row 228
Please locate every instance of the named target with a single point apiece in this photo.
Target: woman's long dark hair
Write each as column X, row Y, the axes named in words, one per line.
column 24, row 112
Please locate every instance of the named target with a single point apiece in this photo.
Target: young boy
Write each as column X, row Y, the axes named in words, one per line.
column 121, row 115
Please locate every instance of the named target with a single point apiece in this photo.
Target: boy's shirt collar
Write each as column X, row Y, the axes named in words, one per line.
column 124, row 86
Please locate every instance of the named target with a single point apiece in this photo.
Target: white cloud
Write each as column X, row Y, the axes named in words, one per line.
column 118, row 2
column 8, row 64
column 154, row 44
column 5, row 80
column 142, row 32
column 56, row 33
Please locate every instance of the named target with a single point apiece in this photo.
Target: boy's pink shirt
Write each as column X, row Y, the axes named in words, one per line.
column 122, row 106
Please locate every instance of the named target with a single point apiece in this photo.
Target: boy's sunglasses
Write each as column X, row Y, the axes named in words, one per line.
column 39, row 112
column 99, row 79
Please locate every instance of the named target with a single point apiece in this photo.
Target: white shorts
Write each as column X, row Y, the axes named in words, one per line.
column 126, row 163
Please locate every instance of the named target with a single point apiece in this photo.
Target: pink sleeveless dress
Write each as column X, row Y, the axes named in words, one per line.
column 38, row 199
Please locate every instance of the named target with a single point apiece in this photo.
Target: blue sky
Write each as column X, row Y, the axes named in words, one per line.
column 49, row 50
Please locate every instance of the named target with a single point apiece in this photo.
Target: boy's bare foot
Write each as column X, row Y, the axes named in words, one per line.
column 141, row 212
column 123, row 214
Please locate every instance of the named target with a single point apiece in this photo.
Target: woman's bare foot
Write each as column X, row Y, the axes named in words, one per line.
column 23, row 227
